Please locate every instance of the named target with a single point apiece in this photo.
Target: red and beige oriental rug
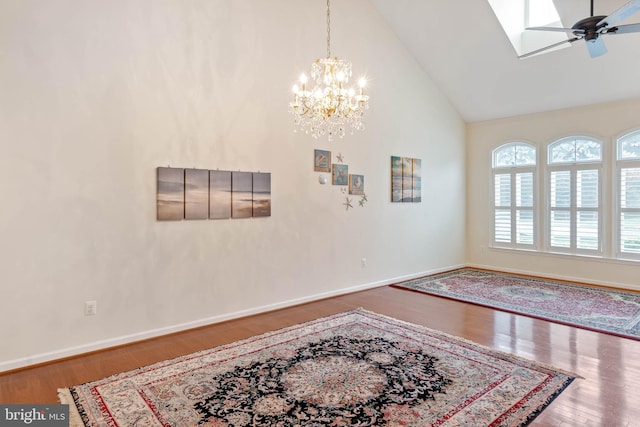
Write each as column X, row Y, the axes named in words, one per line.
column 353, row 368
column 599, row 309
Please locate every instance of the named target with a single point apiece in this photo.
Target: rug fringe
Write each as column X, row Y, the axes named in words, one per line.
column 64, row 395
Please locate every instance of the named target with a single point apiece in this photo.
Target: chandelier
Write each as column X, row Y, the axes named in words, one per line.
column 330, row 107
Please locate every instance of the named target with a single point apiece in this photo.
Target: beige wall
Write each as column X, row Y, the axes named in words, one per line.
column 97, row 94
column 604, row 121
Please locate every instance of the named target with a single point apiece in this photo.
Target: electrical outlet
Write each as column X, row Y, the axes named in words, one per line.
column 363, row 263
column 90, row 308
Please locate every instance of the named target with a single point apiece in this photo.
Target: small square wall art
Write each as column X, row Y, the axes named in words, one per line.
column 356, row 185
column 321, row 161
column 340, row 174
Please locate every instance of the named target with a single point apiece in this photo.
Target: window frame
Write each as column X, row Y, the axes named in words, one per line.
column 513, row 171
column 574, row 167
column 620, row 164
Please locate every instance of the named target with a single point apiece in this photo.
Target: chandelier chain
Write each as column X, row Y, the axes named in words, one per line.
column 328, row 31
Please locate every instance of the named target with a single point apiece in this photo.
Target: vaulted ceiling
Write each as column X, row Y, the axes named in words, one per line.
column 463, row 48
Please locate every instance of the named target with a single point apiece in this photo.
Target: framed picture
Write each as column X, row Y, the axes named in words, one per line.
column 241, row 194
column 340, row 174
column 356, row 185
column 396, row 179
column 170, row 194
column 261, row 194
column 196, row 194
column 219, row 194
column 321, row 161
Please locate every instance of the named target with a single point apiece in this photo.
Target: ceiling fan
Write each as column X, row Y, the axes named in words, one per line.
column 590, row 29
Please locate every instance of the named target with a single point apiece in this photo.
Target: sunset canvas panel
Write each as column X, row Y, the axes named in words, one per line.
column 261, row 194
column 219, row 194
column 241, row 195
column 196, row 194
column 170, row 194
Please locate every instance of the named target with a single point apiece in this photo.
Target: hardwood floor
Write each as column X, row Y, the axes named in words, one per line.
column 607, row 396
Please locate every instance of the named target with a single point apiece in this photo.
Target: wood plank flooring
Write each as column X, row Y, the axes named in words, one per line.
column 608, row 395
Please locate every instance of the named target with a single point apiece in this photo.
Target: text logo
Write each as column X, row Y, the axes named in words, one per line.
column 34, row 415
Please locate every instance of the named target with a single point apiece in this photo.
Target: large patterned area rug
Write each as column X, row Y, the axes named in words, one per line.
column 353, row 368
column 603, row 310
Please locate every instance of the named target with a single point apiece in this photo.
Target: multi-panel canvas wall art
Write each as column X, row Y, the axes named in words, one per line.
column 406, row 179
column 170, row 197
column 201, row 194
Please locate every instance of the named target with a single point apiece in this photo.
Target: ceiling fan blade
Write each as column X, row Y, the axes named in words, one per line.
column 561, row 30
column 534, row 52
column 596, row 47
column 621, row 14
column 623, row 29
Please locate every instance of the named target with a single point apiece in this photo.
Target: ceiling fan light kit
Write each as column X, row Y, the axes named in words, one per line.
column 591, row 29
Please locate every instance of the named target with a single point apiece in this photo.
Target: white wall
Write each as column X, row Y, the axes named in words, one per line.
column 96, row 94
column 604, row 121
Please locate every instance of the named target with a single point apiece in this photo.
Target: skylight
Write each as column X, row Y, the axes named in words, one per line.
column 516, row 15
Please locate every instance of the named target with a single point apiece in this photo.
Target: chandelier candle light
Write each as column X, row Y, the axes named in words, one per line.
column 329, row 108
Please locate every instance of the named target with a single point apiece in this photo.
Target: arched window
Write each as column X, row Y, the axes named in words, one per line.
column 574, row 216
column 628, row 189
column 514, row 198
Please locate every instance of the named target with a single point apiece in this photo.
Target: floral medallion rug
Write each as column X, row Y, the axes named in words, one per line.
column 355, row 368
column 603, row 310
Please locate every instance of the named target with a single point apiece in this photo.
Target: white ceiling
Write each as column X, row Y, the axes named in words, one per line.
column 463, row 48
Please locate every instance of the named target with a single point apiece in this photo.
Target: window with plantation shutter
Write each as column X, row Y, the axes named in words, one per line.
column 514, row 197
column 628, row 186
column 574, row 208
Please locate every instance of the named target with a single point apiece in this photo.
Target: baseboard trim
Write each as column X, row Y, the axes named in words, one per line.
column 43, row 358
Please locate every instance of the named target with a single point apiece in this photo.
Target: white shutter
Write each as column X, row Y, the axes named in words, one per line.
column 630, row 210
column 502, row 211
column 560, row 215
column 587, row 202
column 524, row 208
